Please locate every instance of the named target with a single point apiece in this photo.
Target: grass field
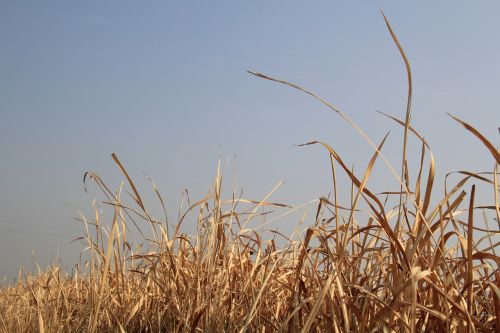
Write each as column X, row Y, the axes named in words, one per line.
column 425, row 264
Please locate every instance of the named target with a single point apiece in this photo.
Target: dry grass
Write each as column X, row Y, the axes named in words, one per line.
column 421, row 265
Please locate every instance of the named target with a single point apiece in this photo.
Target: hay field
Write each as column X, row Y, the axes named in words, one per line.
column 426, row 264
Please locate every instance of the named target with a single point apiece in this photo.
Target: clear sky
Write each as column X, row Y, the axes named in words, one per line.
column 164, row 85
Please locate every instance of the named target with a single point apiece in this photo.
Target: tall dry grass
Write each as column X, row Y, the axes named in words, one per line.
column 422, row 265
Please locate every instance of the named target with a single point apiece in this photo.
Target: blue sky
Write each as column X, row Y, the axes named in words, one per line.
column 164, row 85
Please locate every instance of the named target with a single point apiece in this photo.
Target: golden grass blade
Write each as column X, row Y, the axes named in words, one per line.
column 410, row 128
column 428, row 187
column 41, row 325
column 408, row 71
column 362, row 186
column 268, row 195
column 409, row 97
column 495, row 187
column 324, row 200
column 476, row 175
column 262, row 203
column 496, row 297
column 107, row 261
column 470, row 245
column 404, row 164
column 130, row 182
column 488, row 144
